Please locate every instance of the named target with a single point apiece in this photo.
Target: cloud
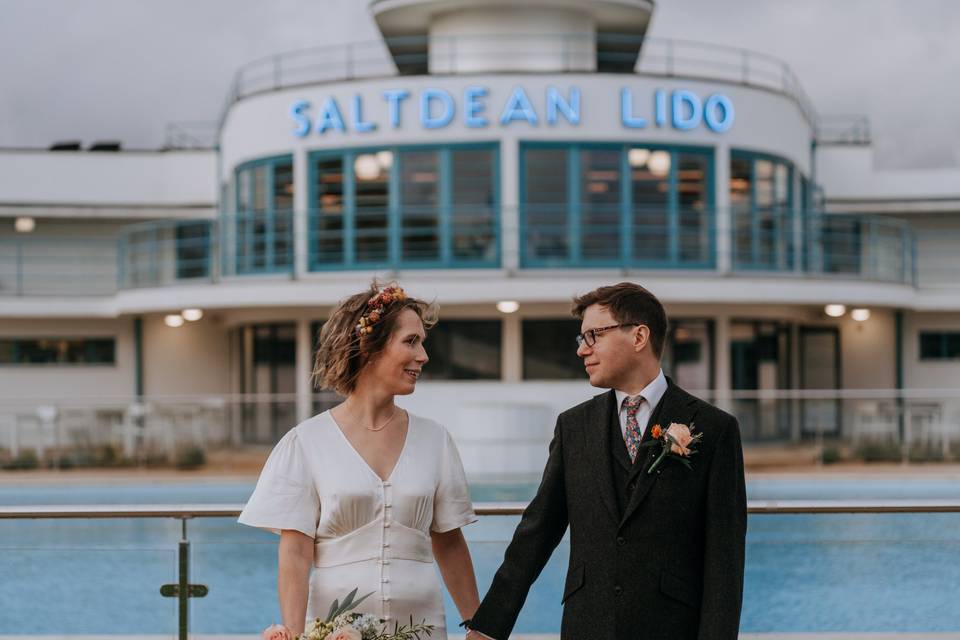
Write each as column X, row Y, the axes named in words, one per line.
column 122, row 69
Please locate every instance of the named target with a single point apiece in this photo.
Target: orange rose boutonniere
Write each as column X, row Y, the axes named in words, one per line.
column 677, row 442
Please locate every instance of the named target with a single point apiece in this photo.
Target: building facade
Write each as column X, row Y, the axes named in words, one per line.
column 498, row 160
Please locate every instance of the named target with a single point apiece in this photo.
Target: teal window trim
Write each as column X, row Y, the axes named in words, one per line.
column 395, row 230
column 245, row 261
column 783, row 258
column 574, row 206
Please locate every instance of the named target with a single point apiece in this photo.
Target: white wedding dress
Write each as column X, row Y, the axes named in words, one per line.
column 368, row 533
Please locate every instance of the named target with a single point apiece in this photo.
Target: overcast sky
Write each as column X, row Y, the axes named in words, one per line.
column 122, row 69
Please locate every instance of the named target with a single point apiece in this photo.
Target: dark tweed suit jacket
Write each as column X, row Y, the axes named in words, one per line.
column 661, row 557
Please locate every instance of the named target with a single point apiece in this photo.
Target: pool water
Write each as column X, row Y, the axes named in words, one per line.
column 804, row 573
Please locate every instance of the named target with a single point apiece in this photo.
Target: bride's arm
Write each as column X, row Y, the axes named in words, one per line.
column 293, row 577
column 453, row 557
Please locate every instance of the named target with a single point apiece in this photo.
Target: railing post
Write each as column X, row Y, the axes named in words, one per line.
column 19, row 268
column 183, row 590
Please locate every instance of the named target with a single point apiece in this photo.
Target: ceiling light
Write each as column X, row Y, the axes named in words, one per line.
column 638, row 157
column 24, row 225
column 659, row 163
column 834, row 310
column 192, row 315
column 508, row 306
column 860, row 315
column 173, row 320
column 366, row 167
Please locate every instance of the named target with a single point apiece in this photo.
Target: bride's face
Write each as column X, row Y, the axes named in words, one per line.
column 397, row 368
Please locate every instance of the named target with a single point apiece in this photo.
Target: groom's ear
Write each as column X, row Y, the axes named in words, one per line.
column 641, row 338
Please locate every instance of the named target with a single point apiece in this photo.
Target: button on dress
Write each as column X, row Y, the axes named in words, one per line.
column 368, row 533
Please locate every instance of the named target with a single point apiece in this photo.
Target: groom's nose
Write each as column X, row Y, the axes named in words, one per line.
column 583, row 350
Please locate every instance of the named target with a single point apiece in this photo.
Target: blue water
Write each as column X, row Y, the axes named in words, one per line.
column 804, row 573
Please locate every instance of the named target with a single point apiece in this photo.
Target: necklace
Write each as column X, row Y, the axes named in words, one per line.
column 388, row 421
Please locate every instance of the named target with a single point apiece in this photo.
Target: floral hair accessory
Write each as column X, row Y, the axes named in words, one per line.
column 376, row 306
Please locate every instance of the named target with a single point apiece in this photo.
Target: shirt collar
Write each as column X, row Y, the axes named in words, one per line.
column 652, row 393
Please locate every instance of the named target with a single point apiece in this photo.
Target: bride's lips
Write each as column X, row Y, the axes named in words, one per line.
column 413, row 373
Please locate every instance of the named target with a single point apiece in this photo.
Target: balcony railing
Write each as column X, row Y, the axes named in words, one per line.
column 909, row 425
column 179, row 252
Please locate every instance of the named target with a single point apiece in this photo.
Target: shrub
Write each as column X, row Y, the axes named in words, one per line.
column 879, row 452
column 191, row 457
column 26, row 459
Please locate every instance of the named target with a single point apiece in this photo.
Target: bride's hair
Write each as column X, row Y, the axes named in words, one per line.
column 358, row 329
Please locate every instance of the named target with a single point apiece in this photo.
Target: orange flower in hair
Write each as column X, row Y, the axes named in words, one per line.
column 376, row 306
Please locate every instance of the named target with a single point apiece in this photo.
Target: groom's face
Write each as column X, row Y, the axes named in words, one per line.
column 612, row 356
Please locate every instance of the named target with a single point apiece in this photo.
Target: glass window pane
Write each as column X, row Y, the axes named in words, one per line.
column 650, row 187
column 473, row 221
column 420, row 200
column 545, row 205
column 372, row 183
column 550, row 350
column 600, row 204
column 328, row 212
column 693, row 198
column 57, row 351
column 464, row 350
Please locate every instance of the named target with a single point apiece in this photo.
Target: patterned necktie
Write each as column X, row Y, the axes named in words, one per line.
column 634, row 430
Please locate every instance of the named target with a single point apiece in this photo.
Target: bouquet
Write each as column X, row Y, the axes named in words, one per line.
column 342, row 623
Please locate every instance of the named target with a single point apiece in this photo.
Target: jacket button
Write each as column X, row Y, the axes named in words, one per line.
column 631, row 487
column 621, row 541
column 617, row 591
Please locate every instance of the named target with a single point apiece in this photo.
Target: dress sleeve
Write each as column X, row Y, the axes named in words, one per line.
column 285, row 496
column 452, row 507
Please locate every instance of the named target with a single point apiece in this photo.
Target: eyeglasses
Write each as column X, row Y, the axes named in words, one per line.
column 589, row 337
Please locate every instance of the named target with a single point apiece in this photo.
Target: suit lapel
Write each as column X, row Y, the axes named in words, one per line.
column 677, row 406
column 597, row 434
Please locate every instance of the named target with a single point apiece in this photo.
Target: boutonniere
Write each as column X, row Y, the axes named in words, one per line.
column 676, row 441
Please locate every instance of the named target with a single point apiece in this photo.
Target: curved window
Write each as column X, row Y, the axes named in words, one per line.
column 262, row 225
column 616, row 205
column 763, row 213
column 404, row 206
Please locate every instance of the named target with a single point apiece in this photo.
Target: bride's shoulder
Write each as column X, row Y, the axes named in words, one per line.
column 427, row 426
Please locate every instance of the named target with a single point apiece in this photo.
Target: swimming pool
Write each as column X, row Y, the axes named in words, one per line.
column 804, row 573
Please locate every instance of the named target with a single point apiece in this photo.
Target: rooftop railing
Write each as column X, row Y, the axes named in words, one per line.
column 574, row 53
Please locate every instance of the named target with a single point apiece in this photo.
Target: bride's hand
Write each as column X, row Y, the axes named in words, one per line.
column 277, row 632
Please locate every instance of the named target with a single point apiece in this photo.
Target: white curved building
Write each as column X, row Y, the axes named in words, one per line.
column 482, row 153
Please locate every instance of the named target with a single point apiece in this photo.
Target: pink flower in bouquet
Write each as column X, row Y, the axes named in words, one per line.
column 345, row 633
column 277, row 632
column 681, row 437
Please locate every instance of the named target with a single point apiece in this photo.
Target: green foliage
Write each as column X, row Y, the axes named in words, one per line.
column 26, row 459
column 191, row 458
column 879, row 452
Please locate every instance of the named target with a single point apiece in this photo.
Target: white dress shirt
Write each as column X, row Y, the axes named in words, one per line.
column 651, row 394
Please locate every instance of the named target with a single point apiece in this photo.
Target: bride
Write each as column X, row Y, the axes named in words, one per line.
column 366, row 495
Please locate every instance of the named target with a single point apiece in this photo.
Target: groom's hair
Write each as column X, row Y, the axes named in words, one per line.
column 628, row 302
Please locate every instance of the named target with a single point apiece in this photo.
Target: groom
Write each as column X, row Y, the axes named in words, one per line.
column 652, row 555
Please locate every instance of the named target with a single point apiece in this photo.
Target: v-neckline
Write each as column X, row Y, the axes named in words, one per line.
column 396, row 464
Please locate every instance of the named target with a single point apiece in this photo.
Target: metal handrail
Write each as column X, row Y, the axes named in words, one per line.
column 182, row 512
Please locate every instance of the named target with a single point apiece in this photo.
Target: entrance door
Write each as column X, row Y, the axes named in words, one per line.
column 820, row 369
column 267, row 356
